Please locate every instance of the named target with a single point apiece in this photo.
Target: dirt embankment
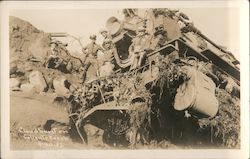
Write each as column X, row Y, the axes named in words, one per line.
column 31, row 117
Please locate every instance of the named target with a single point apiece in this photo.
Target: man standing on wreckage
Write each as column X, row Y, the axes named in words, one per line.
column 137, row 50
column 90, row 50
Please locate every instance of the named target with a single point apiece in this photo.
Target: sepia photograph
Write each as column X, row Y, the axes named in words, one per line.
column 126, row 78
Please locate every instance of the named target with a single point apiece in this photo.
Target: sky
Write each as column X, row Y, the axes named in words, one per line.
column 221, row 25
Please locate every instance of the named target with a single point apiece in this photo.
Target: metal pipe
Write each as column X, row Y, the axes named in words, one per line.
column 59, row 34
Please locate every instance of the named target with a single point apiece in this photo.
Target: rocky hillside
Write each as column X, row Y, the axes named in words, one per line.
column 29, row 49
column 27, row 41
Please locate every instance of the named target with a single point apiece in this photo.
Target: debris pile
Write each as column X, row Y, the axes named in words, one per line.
column 225, row 127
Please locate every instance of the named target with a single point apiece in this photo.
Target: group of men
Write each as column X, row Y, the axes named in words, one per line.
column 137, row 50
column 142, row 43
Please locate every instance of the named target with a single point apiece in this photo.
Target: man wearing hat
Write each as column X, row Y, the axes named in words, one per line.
column 160, row 37
column 92, row 48
column 108, row 49
column 53, row 60
column 91, row 54
column 140, row 44
column 107, row 66
column 105, row 34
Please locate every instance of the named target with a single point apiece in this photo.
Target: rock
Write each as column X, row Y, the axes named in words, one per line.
column 94, row 135
column 13, row 68
column 106, row 69
column 39, row 47
column 230, row 85
column 28, row 68
column 72, row 88
column 69, row 66
column 61, row 87
column 232, row 88
column 36, row 78
column 27, row 87
column 57, row 126
column 13, row 76
column 14, row 84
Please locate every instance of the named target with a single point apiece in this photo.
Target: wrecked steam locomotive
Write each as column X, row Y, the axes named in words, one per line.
column 173, row 68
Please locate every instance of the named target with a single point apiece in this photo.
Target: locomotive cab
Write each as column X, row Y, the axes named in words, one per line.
column 123, row 32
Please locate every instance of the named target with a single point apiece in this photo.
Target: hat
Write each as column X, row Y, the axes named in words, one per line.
column 141, row 28
column 159, row 30
column 184, row 16
column 53, row 41
column 103, row 30
column 92, row 37
column 107, row 41
column 191, row 58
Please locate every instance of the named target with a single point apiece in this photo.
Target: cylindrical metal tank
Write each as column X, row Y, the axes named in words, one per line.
column 197, row 94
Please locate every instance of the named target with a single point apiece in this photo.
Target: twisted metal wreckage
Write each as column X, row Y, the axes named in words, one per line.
column 165, row 74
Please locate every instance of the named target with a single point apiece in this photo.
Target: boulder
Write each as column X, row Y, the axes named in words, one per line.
column 69, row 66
column 232, row 87
column 14, row 84
column 39, row 46
column 61, row 87
column 27, row 87
column 106, row 69
column 28, row 68
column 94, row 134
column 13, row 68
column 36, row 78
column 73, row 88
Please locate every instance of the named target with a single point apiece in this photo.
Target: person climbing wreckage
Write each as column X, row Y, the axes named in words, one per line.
column 57, row 58
column 90, row 50
column 109, row 50
column 108, row 58
column 105, row 34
